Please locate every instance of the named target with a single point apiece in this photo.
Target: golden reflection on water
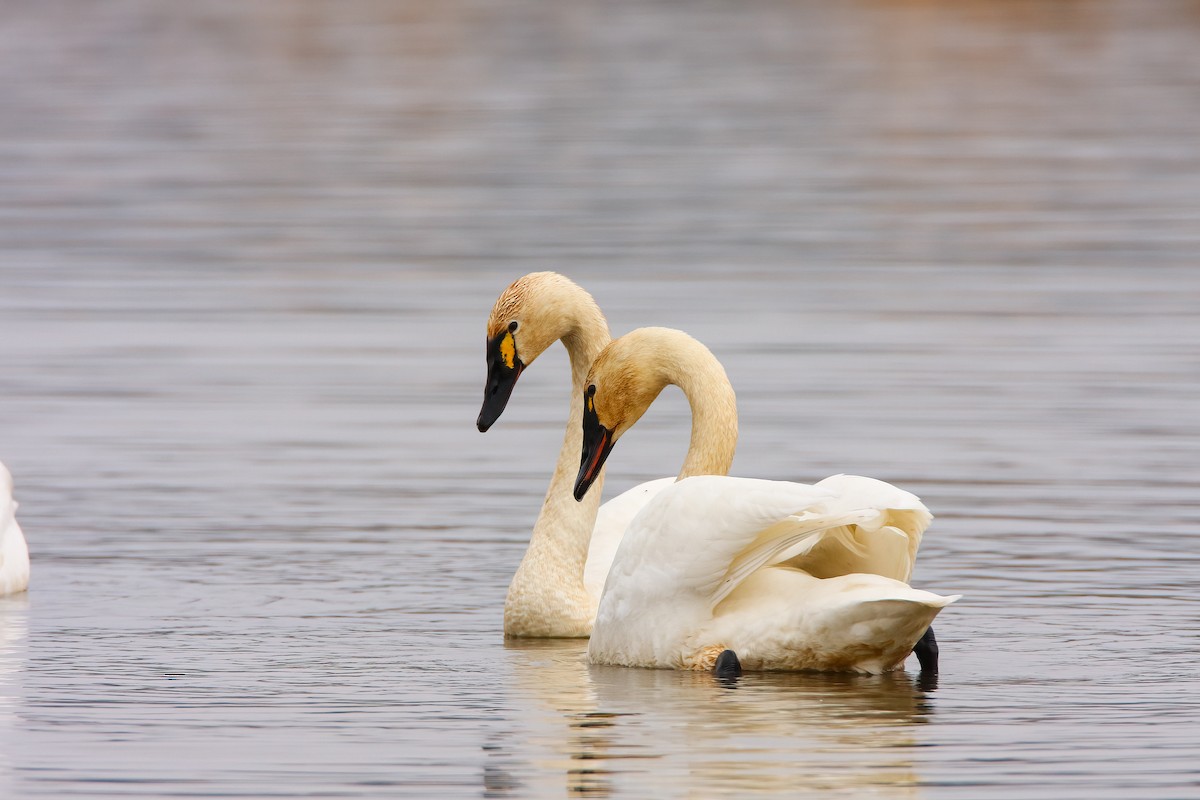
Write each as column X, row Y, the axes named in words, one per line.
column 685, row 733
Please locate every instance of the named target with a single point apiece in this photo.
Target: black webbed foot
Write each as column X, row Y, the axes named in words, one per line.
column 727, row 666
column 926, row 651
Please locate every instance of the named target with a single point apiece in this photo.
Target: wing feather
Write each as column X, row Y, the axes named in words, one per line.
column 789, row 539
column 690, row 533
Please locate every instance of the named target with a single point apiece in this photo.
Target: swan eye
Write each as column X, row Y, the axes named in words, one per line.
column 512, row 326
column 591, row 390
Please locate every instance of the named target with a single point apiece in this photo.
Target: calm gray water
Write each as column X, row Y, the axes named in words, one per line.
column 246, row 254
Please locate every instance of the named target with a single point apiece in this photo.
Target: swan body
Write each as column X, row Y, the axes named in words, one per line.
column 789, row 576
column 556, row 589
column 704, row 568
column 14, row 553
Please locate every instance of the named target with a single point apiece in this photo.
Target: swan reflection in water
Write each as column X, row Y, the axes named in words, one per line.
column 672, row 733
column 14, row 626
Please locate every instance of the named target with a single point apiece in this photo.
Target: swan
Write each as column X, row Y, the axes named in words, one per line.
column 725, row 573
column 556, row 589
column 14, row 553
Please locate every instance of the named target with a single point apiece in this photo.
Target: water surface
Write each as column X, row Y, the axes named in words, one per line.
column 246, row 253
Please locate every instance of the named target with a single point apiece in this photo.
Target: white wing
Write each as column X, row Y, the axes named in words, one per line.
column 883, row 545
column 686, row 539
column 611, row 523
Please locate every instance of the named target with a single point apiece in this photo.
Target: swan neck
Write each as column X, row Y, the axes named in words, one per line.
column 562, row 516
column 547, row 596
column 714, row 412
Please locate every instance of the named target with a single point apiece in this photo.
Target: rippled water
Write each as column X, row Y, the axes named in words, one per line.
column 246, row 252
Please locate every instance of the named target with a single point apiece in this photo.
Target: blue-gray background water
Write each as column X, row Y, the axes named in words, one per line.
column 246, row 254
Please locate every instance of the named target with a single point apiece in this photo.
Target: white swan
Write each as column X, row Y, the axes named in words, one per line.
column 770, row 570
column 556, row 589
column 14, row 553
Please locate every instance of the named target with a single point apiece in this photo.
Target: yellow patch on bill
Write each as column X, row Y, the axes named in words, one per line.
column 508, row 350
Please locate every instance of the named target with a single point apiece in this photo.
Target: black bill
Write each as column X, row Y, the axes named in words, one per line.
column 597, row 444
column 504, row 367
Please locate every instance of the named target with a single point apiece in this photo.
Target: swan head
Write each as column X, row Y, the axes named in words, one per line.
column 533, row 313
column 624, row 380
column 504, row 367
column 598, row 441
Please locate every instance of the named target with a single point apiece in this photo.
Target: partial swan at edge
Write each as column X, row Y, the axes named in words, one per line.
column 14, row 553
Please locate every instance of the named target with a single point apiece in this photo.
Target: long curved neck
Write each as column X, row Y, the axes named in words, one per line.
column 642, row 363
column 567, row 521
column 547, row 595
column 714, row 411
